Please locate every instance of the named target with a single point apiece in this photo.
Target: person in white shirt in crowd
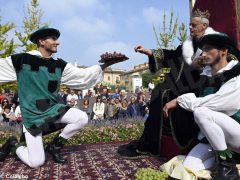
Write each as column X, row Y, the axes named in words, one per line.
column 18, row 114
column 98, row 109
column 71, row 96
column 150, row 86
column 73, row 103
column 216, row 111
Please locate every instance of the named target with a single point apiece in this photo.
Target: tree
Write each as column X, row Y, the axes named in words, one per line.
column 167, row 34
column 166, row 39
column 31, row 22
column 182, row 32
column 6, row 47
column 147, row 76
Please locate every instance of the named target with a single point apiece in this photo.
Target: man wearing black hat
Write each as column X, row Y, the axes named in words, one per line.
column 39, row 77
column 216, row 111
column 181, row 78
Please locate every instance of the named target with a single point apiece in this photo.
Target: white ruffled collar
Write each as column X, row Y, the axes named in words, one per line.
column 208, row 70
column 187, row 47
column 37, row 53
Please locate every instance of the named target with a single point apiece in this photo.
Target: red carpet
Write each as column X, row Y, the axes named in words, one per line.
column 93, row 162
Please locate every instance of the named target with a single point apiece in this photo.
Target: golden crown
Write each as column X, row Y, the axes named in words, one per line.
column 201, row 14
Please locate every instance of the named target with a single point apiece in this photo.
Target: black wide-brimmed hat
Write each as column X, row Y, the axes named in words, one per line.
column 44, row 32
column 221, row 40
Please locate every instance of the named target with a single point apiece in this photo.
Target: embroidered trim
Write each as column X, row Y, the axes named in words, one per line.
column 158, row 55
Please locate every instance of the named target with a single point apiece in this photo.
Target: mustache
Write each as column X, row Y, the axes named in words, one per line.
column 203, row 60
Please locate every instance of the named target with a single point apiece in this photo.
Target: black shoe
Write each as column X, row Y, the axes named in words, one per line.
column 131, row 153
column 131, row 145
column 54, row 149
column 6, row 148
column 226, row 170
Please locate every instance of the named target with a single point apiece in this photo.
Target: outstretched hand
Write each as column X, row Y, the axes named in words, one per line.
column 140, row 48
column 199, row 62
column 169, row 107
column 107, row 64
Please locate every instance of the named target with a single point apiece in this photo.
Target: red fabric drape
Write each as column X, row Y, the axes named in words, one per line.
column 223, row 15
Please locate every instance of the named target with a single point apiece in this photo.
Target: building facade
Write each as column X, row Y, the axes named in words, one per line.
column 112, row 76
column 132, row 79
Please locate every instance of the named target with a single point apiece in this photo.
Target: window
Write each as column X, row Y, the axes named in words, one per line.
column 117, row 80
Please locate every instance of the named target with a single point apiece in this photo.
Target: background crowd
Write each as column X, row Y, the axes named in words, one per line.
column 100, row 103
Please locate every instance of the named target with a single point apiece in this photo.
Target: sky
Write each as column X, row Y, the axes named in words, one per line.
column 90, row 28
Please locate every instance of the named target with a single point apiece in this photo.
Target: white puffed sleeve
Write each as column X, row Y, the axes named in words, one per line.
column 7, row 70
column 225, row 100
column 81, row 78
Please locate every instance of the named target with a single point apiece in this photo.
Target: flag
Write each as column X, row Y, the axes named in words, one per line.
column 224, row 15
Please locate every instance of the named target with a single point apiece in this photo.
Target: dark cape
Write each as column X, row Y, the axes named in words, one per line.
column 181, row 79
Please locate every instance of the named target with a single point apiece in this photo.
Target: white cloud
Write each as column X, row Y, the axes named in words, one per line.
column 88, row 29
column 154, row 16
column 68, row 8
column 87, row 20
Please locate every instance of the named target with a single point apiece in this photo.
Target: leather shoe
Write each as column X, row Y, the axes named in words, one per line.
column 6, row 148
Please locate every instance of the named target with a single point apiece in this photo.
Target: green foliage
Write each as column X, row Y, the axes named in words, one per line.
column 147, row 76
column 182, row 32
column 6, row 131
column 108, row 133
column 122, row 131
column 112, row 86
column 9, row 86
column 157, row 77
column 7, row 47
column 150, row 174
column 167, row 35
column 31, row 22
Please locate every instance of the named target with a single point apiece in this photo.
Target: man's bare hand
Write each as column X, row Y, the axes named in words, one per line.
column 141, row 49
column 107, row 64
column 199, row 62
column 169, row 107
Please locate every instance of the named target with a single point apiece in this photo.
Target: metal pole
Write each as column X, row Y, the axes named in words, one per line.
column 191, row 4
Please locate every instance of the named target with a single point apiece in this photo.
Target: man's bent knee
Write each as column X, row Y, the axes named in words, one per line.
column 200, row 114
column 82, row 119
column 36, row 163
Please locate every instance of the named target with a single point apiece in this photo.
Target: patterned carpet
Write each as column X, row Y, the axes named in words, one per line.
column 85, row 162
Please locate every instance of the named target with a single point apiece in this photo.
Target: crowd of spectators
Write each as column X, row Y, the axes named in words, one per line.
column 99, row 103
column 9, row 108
column 103, row 103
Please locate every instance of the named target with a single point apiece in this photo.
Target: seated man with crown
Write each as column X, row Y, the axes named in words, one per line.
column 183, row 77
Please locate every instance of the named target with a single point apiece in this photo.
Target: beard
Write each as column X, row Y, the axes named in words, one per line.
column 212, row 62
column 216, row 60
column 51, row 49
